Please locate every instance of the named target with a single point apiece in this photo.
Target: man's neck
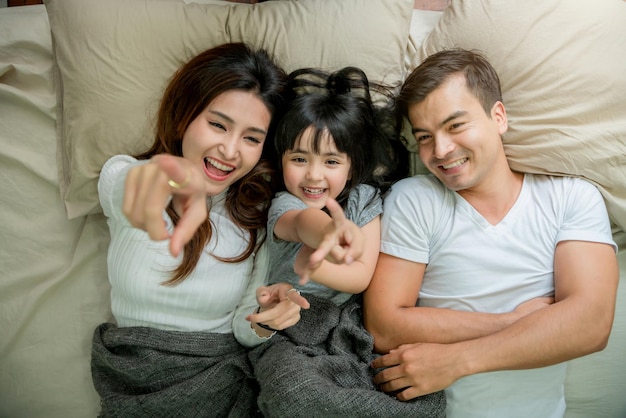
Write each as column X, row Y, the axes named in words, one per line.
column 495, row 200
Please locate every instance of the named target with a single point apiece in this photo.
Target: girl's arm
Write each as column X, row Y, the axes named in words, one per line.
column 333, row 237
column 350, row 278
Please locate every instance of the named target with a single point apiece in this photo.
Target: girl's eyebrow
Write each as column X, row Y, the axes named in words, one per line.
column 453, row 116
column 230, row 120
column 326, row 154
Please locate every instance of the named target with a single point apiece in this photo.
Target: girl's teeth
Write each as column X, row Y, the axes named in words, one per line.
column 313, row 191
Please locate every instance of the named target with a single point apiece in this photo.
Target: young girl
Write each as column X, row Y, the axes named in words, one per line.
column 333, row 144
column 184, row 316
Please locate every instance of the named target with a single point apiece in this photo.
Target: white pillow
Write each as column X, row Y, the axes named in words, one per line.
column 114, row 58
column 562, row 65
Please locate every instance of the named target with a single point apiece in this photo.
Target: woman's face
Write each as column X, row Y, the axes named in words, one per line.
column 226, row 139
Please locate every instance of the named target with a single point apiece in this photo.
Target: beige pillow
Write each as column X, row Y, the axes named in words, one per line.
column 562, row 65
column 114, row 58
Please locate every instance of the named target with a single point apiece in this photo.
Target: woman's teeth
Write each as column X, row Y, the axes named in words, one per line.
column 218, row 165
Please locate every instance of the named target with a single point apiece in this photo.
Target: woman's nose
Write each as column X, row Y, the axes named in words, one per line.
column 229, row 147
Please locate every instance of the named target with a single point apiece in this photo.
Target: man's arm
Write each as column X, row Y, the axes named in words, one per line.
column 391, row 316
column 578, row 323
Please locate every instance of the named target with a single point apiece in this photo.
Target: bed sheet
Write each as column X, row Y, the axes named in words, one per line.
column 53, row 288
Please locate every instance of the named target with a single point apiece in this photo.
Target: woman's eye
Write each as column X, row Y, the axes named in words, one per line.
column 217, row 125
column 421, row 138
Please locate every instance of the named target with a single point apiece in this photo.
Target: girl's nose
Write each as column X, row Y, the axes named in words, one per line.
column 314, row 172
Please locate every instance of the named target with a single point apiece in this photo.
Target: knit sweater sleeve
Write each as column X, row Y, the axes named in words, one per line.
column 242, row 329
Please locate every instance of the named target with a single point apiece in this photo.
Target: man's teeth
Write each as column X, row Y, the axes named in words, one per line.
column 218, row 165
column 455, row 164
column 314, row 191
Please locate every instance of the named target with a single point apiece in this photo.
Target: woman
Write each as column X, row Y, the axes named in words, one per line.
column 186, row 265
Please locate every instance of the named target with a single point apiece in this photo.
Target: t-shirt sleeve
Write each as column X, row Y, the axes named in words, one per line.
column 364, row 204
column 281, row 203
column 585, row 217
column 411, row 213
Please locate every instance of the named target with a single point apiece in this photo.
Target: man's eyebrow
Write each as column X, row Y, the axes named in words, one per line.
column 230, row 120
column 453, row 116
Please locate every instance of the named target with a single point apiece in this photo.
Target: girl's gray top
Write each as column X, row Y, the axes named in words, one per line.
column 363, row 205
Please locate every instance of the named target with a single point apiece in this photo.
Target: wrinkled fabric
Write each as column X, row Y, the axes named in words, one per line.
column 320, row 367
column 146, row 372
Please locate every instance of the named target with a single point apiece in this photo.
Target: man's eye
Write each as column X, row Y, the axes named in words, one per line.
column 455, row 126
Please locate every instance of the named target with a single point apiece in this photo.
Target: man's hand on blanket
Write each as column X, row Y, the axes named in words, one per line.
column 279, row 307
column 413, row 370
column 343, row 242
column 147, row 193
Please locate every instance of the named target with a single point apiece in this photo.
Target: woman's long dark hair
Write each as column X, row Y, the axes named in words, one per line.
column 197, row 83
column 341, row 103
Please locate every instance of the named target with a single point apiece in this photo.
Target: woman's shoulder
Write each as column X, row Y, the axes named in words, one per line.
column 111, row 181
column 116, row 164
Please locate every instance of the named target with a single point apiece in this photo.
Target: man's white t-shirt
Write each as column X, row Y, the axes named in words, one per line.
column 478, row 267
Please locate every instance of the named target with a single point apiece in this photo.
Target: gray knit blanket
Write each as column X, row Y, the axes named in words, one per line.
column 146, row 372
column 320, row 367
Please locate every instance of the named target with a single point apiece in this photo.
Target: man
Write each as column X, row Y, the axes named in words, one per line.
column 488, row 279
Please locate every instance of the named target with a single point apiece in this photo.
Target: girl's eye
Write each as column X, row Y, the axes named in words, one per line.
column 298, row 160
column 332, row 162
column 253, row 140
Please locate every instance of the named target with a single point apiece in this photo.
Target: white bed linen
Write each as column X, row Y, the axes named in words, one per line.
column 53, row 287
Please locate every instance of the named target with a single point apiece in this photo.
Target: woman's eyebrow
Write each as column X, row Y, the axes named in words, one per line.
column 230, row 120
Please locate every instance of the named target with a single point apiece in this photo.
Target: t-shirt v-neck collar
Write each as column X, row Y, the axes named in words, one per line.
column 506, row 222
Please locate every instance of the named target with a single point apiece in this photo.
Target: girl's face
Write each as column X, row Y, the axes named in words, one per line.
column 226, row 139
column 312, row 177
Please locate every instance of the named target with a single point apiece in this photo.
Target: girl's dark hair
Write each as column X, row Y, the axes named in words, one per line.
column 193, row 87
column 341, row 103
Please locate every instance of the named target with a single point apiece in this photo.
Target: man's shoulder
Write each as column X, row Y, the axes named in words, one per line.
column 419, row 184
column 565, row 182
column 419, row 180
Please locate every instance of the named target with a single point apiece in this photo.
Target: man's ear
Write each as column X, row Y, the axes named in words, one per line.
column 498, row 114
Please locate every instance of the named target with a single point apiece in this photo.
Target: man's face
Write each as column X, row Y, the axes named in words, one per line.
column 458, row 142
